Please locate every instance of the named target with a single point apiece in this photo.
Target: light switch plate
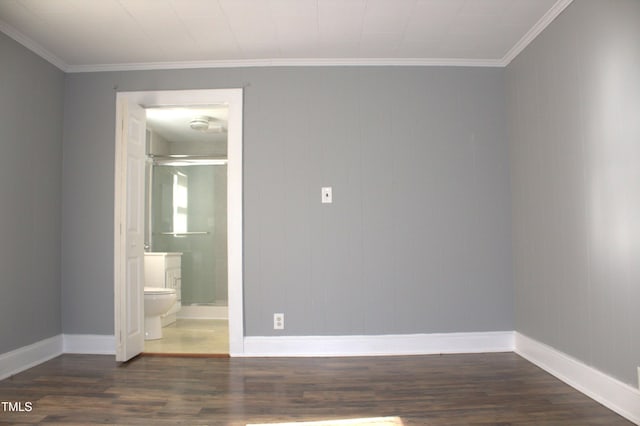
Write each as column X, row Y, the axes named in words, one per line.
column 327, row 195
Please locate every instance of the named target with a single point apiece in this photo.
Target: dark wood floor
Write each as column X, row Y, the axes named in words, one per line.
column 479, row 389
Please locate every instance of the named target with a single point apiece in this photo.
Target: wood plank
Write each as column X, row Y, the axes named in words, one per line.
column 498, row 388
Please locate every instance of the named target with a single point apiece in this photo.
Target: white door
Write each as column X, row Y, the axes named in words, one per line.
column 126, row 345
column 129, row 323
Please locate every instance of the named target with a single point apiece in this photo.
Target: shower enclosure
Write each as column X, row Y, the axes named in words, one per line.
column 187, row 201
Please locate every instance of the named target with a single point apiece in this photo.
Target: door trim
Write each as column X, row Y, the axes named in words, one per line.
column 233, row 98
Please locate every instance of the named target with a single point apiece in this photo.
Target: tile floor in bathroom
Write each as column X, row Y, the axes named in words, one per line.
column 192, row 336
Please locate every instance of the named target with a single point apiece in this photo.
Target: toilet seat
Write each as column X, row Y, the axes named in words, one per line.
column 159, row 290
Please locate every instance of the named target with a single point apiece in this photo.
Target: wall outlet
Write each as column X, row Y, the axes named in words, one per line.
column 327, row 195
column 278, row 321
column 638, row 377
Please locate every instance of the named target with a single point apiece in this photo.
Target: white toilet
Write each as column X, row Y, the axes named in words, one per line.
column 157, row 302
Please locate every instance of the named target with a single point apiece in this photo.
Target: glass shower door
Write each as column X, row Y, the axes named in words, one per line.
column 189, row 215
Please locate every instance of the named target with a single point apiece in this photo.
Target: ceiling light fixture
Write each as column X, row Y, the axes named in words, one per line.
column 200, row 123
column 204, row 123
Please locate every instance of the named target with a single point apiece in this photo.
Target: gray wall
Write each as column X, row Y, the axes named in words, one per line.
column 574, row 114
column 31, row 93
column 416, row 241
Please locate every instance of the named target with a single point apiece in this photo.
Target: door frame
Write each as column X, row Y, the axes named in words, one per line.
column 233, row 98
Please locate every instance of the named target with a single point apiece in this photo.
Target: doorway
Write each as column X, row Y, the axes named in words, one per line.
column 186, row 226
column 127, row 284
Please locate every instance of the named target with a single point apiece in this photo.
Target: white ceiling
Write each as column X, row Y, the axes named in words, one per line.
column 90, row 35
column 172, row 123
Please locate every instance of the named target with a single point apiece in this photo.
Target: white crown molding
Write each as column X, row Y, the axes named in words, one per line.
column 553, row 12
column 379, row 345
column 33, row 46
column 29, row 356
column 543, row 23
column 290, row 62
column 245, row 63
column 610, row 392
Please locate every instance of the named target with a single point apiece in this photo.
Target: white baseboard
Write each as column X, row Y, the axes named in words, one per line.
column 610, row 392
column 393, row 344
column 95, row 344
column 29, row 356
column 203, row 312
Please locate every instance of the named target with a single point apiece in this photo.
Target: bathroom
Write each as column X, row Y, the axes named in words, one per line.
column 186, row 229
